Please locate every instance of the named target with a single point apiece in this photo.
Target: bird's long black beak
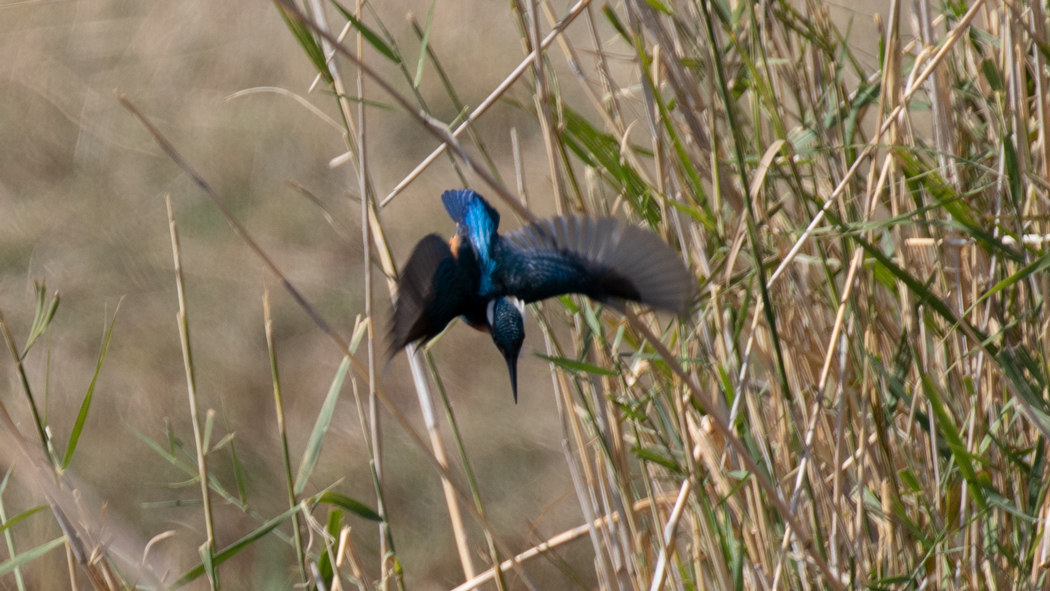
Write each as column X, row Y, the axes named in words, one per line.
column 512, row 368
column 505, row 321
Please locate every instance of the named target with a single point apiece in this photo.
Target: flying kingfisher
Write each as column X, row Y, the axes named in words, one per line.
column 487, row 278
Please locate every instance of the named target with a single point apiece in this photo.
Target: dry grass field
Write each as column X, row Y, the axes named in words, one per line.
column 203, row 206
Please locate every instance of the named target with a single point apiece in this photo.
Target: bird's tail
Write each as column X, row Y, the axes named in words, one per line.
column 458, row 201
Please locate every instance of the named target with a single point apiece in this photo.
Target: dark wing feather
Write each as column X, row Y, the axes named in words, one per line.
column 601, row 257
column 432, row 290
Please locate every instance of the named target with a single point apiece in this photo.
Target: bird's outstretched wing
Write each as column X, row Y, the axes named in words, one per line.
column 432, row 290
column 600, row 257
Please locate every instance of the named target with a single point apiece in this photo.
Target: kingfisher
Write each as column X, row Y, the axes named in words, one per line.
column 487, row 278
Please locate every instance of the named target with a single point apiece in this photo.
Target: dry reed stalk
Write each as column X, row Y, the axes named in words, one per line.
column 200, row 444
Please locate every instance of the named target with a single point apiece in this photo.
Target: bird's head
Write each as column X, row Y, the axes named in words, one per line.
column 506, row 321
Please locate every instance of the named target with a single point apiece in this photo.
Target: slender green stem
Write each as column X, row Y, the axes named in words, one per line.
column 278, row 404
column 191, row 386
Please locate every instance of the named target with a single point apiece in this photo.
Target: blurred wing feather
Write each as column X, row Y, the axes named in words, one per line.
column 600, row 257
column 431, row 292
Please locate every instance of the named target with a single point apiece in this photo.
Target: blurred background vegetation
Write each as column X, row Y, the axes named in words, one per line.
column 858, row 398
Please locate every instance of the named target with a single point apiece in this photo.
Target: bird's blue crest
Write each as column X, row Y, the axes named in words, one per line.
column 506, row 323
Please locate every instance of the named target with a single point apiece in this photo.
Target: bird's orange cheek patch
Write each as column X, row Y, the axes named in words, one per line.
column 453, row 243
